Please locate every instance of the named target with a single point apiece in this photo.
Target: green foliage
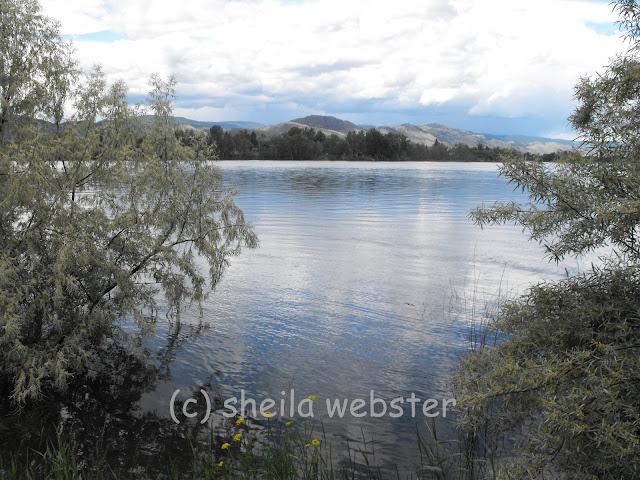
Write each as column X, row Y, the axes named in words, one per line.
column 36, row 68
column 576, row 205
column 97, row 218
column 310, row 144
column 566, row 378
column 608, row 117
column 277, row 450
column 563, row 382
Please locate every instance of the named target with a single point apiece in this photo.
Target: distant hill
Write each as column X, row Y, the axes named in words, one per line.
column 230, row 125
column 284, row 127
column 327, row 123
column 526, row 139
column 419, row 133
column 428, row 134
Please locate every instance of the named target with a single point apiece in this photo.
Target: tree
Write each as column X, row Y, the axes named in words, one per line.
column 254, row 139
column 36, row 67
column 216, row 133
column 564, row 379
column 336, row 148
column 98, row 218
column 438, row 152
column 356, row 141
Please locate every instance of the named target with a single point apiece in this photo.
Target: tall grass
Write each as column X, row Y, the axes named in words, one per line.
column 281, row 452
column 277, row 449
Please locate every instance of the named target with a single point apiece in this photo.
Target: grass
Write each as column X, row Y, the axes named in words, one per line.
column 278, row 449
column 282, row 451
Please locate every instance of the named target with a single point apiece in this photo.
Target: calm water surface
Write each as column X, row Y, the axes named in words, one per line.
column 352, row 289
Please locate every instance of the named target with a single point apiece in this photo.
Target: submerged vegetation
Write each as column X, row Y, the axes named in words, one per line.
column 102, row 212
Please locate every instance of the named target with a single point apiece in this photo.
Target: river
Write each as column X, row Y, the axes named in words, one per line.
column 364, row 281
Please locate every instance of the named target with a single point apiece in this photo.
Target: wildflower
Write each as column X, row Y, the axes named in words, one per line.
column 307, row 445
column 240, row 421
column 288, row 423
column 315, row 442
column 268, row 414
column 220, row 464
column 225, row 446
column 312, row 397
column 238, row 437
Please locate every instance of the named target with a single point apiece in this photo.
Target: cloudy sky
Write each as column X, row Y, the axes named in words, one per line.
column 490, row 66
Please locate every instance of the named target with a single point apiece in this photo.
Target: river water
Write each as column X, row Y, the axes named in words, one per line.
column 363, row 281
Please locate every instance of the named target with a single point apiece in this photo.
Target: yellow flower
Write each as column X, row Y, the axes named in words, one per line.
column 312, row 397
column 288, row 423
column 238, row 437
column 225, row 446
column 268, row 414
column 220, row 464
column 315, row 442
column 307, row 445
column 240, row 421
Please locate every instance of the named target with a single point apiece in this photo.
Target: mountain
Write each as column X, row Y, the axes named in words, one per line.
column 284, row 127
column 327, row 123
column 229, row 125
column 526, row 139
column 428, row 133
column 419, row 133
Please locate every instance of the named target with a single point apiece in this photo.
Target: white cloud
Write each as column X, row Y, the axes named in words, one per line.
column 506, row 58
column 438, row 95
column 79, row 16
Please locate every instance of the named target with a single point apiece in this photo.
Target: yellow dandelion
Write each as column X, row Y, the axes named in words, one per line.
column 307, row 445
column 288, row 423
column 220, row 464
column 238, row 437
column 240, row 421
column 225, row 446
column 315, row 442
column 312, row 397
column 268, row 414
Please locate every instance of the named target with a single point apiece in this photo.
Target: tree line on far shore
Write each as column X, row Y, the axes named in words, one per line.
column 311, row 144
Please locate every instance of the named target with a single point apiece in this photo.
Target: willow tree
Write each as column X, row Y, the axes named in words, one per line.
column 98, row 217
column 36, row 66
column 565, row 380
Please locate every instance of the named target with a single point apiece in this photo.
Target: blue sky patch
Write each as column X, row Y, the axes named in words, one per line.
column 105, row 36
column 604, row 28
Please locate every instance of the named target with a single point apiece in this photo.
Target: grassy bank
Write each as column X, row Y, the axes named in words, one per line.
column 282, row 451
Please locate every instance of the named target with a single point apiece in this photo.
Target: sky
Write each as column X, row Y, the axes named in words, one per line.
column 488, row 66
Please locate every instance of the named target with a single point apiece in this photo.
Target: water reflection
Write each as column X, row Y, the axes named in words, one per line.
column 353, row 289
column 350, row 289
column 100, row 419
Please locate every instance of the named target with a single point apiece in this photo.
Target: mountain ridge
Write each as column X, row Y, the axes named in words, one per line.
column 328, row 123
column 426, row 133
